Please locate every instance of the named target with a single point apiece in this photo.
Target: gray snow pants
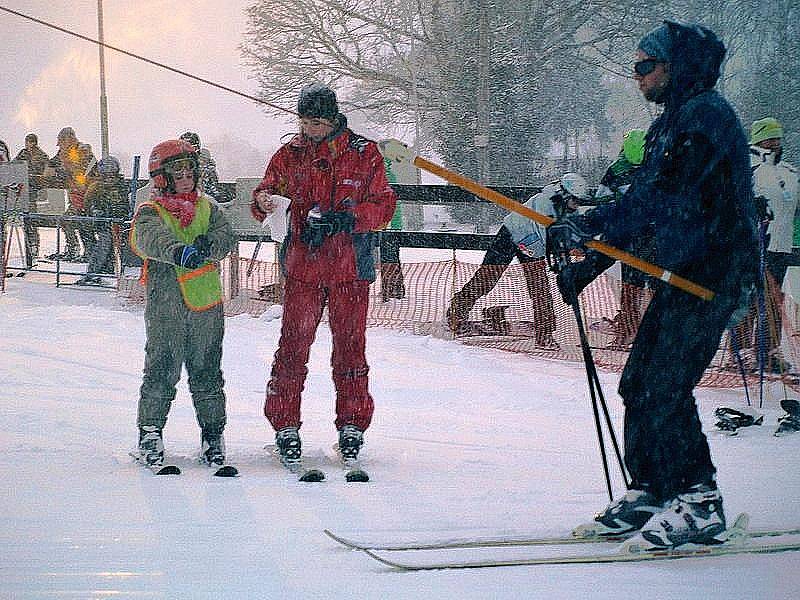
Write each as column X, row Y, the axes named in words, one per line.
column 175, row 337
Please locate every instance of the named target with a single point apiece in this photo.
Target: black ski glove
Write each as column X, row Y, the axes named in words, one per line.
column 575, row 276
column 187, row 257
column 203, row 245
column 327, row 225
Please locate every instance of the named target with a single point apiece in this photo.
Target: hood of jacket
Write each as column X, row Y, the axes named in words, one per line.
column 695, row 61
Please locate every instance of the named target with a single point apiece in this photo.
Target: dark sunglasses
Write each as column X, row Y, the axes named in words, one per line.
column 646, row 66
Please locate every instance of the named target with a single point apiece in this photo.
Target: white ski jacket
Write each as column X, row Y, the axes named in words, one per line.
column 778, row 184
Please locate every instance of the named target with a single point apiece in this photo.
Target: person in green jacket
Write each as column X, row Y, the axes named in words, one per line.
column 181, row 236
column 106, row 198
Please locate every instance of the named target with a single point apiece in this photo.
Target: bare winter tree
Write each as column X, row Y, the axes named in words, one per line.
column 471, row 79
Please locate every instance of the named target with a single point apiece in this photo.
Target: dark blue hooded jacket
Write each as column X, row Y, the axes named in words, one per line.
column 695, row 183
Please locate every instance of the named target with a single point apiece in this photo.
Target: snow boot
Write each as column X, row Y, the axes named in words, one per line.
column 212, row 447
column 627, row 514
column 694, row 517
column 151, row 445
column 351, row 438
column 730, row 419
column 288, row 443
column 790, row 422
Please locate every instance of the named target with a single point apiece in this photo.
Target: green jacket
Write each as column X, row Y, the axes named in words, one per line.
column 108, row 198
column 153, row 240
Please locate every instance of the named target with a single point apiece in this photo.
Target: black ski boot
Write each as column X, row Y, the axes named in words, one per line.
column 151, row 445
column 288, row 443
column 730, row 419
column 790, row 422
column 212, row 447
column 351, row 438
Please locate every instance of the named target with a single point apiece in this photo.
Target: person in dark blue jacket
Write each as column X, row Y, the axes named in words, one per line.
column 695, row 187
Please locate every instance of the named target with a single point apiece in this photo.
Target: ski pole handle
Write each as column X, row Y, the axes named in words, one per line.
column 615, row 253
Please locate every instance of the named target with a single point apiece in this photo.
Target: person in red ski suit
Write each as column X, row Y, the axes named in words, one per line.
column 339, row 195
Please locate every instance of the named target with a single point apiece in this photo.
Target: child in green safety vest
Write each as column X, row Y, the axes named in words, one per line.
column 181, row 235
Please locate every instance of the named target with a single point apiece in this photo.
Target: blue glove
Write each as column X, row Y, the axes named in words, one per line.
column 568, row 232
column 575, row 276
column 187, row 257
column 203, row 245
column 326, row 225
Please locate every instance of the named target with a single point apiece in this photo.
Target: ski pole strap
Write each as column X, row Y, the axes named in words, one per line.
column 615, row 253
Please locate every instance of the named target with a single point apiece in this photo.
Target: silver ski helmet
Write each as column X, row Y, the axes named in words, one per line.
column 575, row 185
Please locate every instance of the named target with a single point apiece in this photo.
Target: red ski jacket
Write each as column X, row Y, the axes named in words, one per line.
column 343, row 174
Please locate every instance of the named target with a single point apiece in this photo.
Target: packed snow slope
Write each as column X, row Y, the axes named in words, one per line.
column 465, row 442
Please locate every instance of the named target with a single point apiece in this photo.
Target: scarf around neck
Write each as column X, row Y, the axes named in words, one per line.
column 180, row 206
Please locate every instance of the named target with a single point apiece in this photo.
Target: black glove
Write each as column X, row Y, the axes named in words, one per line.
column 187, row 257
column 575, row 276
column 763, row 210
column 203, row 245
column 567, row 232
column 328, row 224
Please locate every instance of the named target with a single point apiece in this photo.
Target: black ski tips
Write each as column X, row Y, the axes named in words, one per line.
column 312, row 476
column 165, row 469
column 226, row 471
column 357, row 476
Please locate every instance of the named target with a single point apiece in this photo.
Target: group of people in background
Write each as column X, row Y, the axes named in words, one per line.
column 96, row 190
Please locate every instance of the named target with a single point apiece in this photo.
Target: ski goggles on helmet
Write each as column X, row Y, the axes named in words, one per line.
column 183, row 166
column 646, row 66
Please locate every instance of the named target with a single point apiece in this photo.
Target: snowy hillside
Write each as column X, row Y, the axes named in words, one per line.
column 464, row 442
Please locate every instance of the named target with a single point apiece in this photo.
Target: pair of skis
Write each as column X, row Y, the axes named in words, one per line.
column 738, row 540
column 353, row 470
column 172, row 469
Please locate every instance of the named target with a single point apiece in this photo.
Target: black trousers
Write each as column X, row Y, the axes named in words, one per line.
column 666, row 451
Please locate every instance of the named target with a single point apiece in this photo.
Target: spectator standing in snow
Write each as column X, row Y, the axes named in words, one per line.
column 615, row 182
column 339, row 195
column 182, row 236
column 775, row 190
column 524, row 239
column 695, row 187
column 37, row 161
column 106, row 198
column 71, row 168
column 209, row 180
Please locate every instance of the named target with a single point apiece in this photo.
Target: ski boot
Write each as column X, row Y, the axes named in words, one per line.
column 790, row 422
column 89, row 280
column 151, row 445
column 288, row 443
column 625, row 515
column 730, row 420
column 351, row 438
column 212, row 447
column 694, row 517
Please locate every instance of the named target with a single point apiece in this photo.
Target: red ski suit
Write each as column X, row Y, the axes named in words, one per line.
column 343, row 174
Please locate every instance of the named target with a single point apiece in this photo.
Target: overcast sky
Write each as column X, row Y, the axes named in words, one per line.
column 51, row 80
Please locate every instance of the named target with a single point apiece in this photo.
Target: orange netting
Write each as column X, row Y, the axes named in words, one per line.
column 253, row 286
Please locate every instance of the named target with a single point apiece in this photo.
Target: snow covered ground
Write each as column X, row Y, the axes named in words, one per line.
column 465, row 441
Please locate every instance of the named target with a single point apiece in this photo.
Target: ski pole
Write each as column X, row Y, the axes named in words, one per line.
column 558, row 258
column 615, row 253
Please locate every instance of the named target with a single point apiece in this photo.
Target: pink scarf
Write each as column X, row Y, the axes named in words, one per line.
column 180, row 206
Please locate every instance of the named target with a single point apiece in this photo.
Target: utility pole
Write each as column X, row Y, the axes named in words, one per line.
column 481, row 140
column 103, row 98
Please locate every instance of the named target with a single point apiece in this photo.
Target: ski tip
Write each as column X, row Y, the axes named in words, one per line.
column 356, row 476
column 226, row 471
column 312, row 476
column 167, row 470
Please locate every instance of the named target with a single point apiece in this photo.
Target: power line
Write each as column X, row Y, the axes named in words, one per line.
column 147, row 60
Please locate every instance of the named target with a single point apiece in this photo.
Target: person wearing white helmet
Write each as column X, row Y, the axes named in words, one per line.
column 524, row 239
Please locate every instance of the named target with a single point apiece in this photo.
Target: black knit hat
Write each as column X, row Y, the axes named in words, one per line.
column 318, row 100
